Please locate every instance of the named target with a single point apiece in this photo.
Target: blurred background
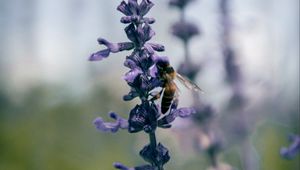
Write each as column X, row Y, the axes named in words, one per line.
column 50, row 93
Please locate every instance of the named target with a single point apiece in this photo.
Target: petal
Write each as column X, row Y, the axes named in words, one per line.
column 123, row 7
column 184, row 112
column 174, row 113
column 126, row 19
column 125, row 46
column 99, row 55
column 103, row 41
column 145, row 6
column 130, row 63
column 133, row 6
column 121, row 166
column 149, row 49
column 131, row 33
column 113, row 47
column 153, row 71
column 148, row 32
column 149, row 20
column 129, row 19
column 131, row 95
column 160, row 59
column 166, row 120
column 157, row 47
column 131, row 75
column 111, row 126
column 294, row 148
column 104, row 126
column 116, row 47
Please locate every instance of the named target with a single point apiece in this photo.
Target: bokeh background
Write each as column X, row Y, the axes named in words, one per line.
column 50, row 93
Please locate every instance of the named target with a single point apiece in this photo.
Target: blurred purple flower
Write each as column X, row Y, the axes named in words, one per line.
column 179, row 3
column 294, row 148
column 120, row 123
column 184, row 30
column 204, row 113
column 233, row 73
column 190, row 70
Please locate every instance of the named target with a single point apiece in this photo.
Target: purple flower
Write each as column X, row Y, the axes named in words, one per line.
column 111, row 47
column 184, row 30
column 132, row 8
column 111, row 126
column 143, row 117
column 179, row 3
column 294, row 148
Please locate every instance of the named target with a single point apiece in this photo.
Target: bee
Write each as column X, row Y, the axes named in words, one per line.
column 170, row 89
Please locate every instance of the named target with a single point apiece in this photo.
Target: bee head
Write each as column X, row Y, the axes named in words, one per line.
column 162, row 64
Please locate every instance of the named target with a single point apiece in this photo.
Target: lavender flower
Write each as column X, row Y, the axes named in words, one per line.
column 294, row 148
column 142, row 78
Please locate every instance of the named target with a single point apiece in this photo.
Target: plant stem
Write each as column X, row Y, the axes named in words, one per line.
column 152, row 140
column 153, row 145
column 187, row 53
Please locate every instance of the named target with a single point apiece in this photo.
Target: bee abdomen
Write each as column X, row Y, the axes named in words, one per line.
column 166, row 100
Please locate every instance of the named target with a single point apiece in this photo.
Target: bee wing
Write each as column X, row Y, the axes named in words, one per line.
column 188, row 83
column 177, row 90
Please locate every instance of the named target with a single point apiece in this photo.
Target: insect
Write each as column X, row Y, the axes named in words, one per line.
column 170, row 89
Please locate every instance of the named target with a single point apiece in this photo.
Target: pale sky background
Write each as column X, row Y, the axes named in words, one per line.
column 51, row 40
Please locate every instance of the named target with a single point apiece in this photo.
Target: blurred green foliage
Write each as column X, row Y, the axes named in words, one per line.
column 47, row 128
